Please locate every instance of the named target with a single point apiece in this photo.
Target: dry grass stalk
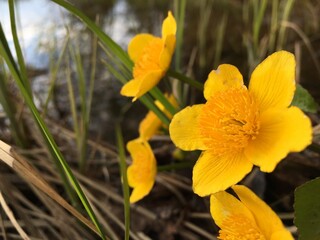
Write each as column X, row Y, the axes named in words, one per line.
column 18, row 163
column 12, row 218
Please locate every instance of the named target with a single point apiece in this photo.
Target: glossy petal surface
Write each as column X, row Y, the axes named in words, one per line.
column 169, row 26
column 267, row 220
column 213, row 173
column 280, row 132
column 141, row 173
column 226, row 76
column 273, row 81
column 184, row 129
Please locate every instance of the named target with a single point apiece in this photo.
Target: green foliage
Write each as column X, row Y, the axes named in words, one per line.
column 304, row 100
column 17, row 127
column 307, row 210
column 124, row 179
column 117, row 52
column 61, row 164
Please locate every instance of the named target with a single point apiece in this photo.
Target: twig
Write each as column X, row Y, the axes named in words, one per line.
column 3, row 229
column 12, row 218
column 20, row 165
column 200, row 231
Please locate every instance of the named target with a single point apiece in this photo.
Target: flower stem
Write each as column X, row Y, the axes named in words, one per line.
column 175, row 166
column 185, row 79
column 157, row 94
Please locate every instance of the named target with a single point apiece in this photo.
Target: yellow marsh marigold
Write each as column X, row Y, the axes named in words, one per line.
column 142, row 172
column 246, row 219
column 151, row 56
column 238, row 127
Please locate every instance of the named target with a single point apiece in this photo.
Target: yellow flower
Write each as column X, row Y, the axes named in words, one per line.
column 247, row 219
column 150, row 125
column 142, row 172
column 238, row 127
column 151, row 56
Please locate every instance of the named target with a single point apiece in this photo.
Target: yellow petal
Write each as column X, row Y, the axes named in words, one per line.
column 167, row 52
column 266, row 218
column 281, row 132
column 169, row 26
column 170, row 44
column 223, row 204
column 149, row 81
column 299, row 129
column 139, row 86
column 184, row 129
column 213, row 173
column 137, row 44
column 273, row 81
column 141, row 191
column 173, row 100
column 143, row 168
column 224, row 77
column 131, row 88
column 283, row 235
column 139, row 150
column 149, row 126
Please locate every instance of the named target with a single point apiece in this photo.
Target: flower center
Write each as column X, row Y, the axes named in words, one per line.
column 149, row 59
column 229, row 120
column 239, row 227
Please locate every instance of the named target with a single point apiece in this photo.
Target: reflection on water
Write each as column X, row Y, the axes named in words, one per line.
column 43, row 27
column 41, row 21
column 36, row 20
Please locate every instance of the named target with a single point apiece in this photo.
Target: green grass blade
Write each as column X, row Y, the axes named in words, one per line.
column 16, row 127
column 206, row 7
column 124, row 180
column 148, row 102
column 92, row 76
column 220, row 37
column 23, row 70
column 179, row 87
column 285, row 17
column 163, row 100
column 273, row 25
column 6, row 48
column 73, row 108
column 180, row 9
column 60, row 161
column 185, row 79
column 53, row 75
column 176, row 166
column 121, row 73
column 104, row 38
column 260, row 7
column 83, row 126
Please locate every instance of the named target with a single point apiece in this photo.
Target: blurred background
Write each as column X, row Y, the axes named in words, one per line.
column 59, row 50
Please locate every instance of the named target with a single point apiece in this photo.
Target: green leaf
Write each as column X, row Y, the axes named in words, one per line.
column 61, row 164
column 124, row 180
column 307, row 210
column 304, row 100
